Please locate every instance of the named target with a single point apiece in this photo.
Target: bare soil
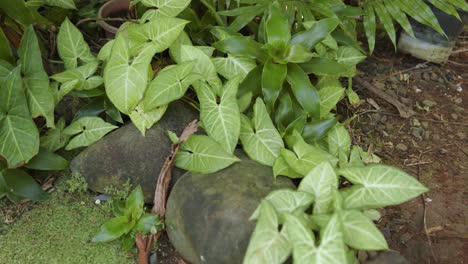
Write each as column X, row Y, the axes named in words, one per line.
column 431, row 145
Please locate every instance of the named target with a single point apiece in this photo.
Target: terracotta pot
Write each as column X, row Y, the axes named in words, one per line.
column 108, row 10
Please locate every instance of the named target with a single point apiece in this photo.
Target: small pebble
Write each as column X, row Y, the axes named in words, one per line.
column 97, row 201
column 454, row 116
column 401, row 146
column 427, row 200
column 429, row 103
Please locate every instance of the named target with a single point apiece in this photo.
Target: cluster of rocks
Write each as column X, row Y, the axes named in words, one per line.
column 207, row 217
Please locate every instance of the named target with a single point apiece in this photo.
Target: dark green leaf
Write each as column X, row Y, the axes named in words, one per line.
column 316, row 33
column 55, row 139
column 273, row 76
column 304, row 91
column 252, row 82
column 241, row 46
column 47, row 160
column 113, row 229
column 324, row 66
column 277, row 26
column 5, row 50
column 23, row 185
column 93, row 108
column 317, row 129
column 135, row 204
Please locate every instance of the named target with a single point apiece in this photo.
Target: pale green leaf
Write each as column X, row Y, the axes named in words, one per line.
column 286, row 201
column 169, row 8
column 305, row 157
column 422, row 13
column 159, row 34
column 204, row 65
column 376, row 186
column 281, row 167
column 360, row 233
column 260, row 139
column 175, row 50
column 221, row 120
column 171, row 84
column 339, row 140
column 202, row 154
column 349, row 56
column 144, row 120
column 330, row 94
column 19, row 137
column 36, row 82
column 60, row 90
column 84, row 76
column 105, row 51
column 321, row 181
column 86, row 131
column 267, row 245
column 233, row 66
column 126, row 81
column 72, row 47
column 305, row 251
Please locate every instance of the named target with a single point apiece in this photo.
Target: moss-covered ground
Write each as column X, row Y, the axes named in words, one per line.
column 59, row 230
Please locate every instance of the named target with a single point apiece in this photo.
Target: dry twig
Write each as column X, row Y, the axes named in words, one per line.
column 145, row 244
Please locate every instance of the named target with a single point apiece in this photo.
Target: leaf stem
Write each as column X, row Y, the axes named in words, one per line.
column 211, row 8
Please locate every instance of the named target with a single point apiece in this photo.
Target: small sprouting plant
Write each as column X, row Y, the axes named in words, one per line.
column 130, row 219
column 77, row 184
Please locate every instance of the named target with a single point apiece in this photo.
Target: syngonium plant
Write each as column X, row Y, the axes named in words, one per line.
column 275, row 93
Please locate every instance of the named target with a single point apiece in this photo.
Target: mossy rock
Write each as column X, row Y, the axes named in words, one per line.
column 127, row 154
column 207, row 216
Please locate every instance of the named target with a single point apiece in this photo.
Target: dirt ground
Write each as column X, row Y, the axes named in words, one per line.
column 431, row 145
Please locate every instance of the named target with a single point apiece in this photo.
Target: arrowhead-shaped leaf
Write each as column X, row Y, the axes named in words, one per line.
column 305, row 251
column 267, row 245
column 281, row 167
column 36, row 82
column 82, row 74
column 158, row 34
column 339, row 140
column 233, row 66
column 360, row 233
column 221, row 121
column 305, row 157
column 144, row 120
column 260, row 139
column 89, row 130
column 201, row 154
column 287, row 202
column 321, row 182
column 376, row 186
column 168, row 8
column 19, row 137
column 330, row 93
column 126, row 81
column 204, row 65
column 71, row 46
column 171, row 84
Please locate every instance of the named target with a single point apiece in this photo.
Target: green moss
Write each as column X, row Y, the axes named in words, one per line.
column 59, row 231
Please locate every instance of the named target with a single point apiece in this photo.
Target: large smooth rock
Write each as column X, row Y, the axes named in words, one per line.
column 127, row 154
column 207, row 217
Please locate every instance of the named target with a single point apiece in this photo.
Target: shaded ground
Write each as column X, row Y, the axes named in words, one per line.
column 432, row 146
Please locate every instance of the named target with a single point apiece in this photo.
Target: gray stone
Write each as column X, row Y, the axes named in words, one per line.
column 207, row 217
column 127, row 154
